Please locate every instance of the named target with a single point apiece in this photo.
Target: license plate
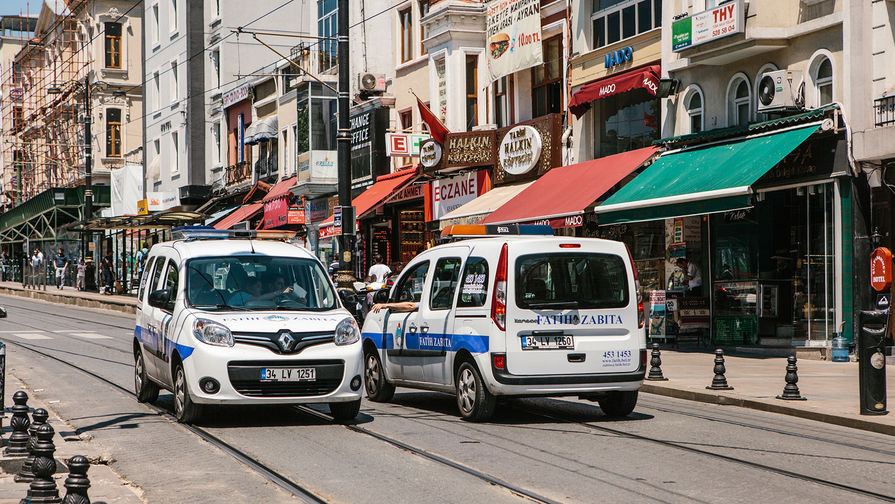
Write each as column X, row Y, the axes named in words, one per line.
column 548, row 342
column 288, row 374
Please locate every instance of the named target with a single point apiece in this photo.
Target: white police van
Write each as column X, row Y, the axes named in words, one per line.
column 520, row 315
column 226, row 317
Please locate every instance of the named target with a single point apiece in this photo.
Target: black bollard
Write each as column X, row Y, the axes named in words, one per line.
column 655, row 370
column 791, row 390
column 76, row 484
column 17, row 446
column 39, row 417
column 43, row 488
column 719, row 382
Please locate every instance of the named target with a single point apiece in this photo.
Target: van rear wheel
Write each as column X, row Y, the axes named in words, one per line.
column 476, row 403
column 618, row 403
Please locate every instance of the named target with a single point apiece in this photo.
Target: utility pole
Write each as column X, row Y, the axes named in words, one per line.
column 346, row 238
column 88, row 166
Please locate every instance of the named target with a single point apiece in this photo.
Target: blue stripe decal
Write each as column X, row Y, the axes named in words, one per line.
column 138, row 333
column 474, row 343
column 184, row 350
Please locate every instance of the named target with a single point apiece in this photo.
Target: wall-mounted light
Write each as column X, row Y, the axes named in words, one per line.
column 667, row 87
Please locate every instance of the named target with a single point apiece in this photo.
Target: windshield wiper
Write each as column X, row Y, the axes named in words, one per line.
column 554, row 304
column 222, row 307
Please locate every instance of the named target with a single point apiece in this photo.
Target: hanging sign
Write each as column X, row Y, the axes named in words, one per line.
column 881, row 269
column 514, row 36
column 430, row 154
column 722, row 21
column 520, row 150
column 403, row 144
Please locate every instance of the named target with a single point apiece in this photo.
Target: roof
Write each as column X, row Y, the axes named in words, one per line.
column 280, row 189
column 214, row 248
column 242, row 213
column 752, row 128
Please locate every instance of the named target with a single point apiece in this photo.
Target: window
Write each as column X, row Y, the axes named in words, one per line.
column 615, row 20
column 501, row 102
column 216, row 143
column 546, row 80
column 215, row 8
column 406, row 18
column 18, row 118
column 157, row 144
column 739, row 102
column 474, row 289
column 694, row 111
column 625, row 121
column 327, row 26
column 174, row 82
column 171, row 279
column 295, row 146
column 113, row 132
column 155, row 25
column 406, row 117
column 147, row 272
column 175, row 152
column 823, row 81
column 472, row 88
column 424, row 32
column 157, row 92
column 215, row 57
column 569, row 281
column 172, row 17
column 410, row 287
column 157, row 274
column 113, row 45
column 286, row 162
column 444, row 284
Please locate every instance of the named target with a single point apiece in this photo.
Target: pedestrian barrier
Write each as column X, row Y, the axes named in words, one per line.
column 38, row 418
column 719, row 382
column 655, row 371
column 17, row 446
column 43, row 486
column 791, row 390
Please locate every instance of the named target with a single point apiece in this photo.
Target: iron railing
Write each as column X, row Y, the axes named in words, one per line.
column 238, row 173
column 884, row 110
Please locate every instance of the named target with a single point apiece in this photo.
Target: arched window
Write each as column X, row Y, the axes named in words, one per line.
column 739, row 101
column 694, row 110
column 823, row 83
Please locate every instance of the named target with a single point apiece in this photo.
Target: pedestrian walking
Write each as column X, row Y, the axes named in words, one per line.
column 108, row 273
column 378, row 271
column 37, row 260
column 4, row 266
column 82, row 275
column 140, row 258
column 61, row 264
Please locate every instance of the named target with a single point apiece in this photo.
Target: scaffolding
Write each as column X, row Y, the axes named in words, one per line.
column 44, row 103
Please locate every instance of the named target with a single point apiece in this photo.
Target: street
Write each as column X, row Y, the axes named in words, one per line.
column 416, row 448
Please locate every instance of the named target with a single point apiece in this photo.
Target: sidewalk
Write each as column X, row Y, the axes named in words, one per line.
column 831, row 388
column 106, row 487
column 69, row 295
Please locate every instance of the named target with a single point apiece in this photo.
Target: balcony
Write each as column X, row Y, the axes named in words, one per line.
column 240, row 172
column 884, row 111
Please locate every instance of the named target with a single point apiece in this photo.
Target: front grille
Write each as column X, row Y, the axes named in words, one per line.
column 269, row 340
column 245, row 377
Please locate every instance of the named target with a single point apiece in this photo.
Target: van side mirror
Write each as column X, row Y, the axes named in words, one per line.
column 381, row 296
column 159, row 298
column 348, row 297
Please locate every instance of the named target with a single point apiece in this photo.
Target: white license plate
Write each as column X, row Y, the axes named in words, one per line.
column 548, row 342
column 289, row 374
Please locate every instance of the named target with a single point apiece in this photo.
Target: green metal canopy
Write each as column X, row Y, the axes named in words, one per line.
column 702, row 180
column 41, row 217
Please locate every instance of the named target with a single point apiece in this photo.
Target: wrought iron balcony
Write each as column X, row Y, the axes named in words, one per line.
column 238, row 173
column 884, row 110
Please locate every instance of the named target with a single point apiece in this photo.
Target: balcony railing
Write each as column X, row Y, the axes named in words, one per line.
column 884, row 109
column 238, row 173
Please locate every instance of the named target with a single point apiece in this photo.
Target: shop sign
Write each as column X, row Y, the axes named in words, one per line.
column 549, row 129
column 337, row 219
column 520, row 150
column 881, row 269
column 235, row 95
column 158, row 201
column 403, row 144
column 318, row 166
column 569, row 221
column 618, row 57
column 452, row 193
column 275, row 212
column 295, row 215
column 409, row 192
column 722, row 21
column 17, row 93
column 441, row 77
column 327, row 232
column 430, row 154
column 368, row 159
column 143, row 207
column 316, row 210
column 475, row 148
column 514, row 36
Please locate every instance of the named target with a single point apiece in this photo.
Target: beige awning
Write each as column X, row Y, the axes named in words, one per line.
column 479, row 208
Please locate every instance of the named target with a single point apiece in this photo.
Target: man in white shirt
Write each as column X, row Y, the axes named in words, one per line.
column 378, row 271
column 693, row 275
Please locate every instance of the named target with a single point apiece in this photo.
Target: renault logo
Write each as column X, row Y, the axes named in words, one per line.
column 286, row 341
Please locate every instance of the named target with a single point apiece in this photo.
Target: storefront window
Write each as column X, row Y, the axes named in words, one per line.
column 625, row 121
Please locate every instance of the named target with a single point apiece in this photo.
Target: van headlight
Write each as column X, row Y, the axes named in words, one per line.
column 347, row 332
column 213, row 333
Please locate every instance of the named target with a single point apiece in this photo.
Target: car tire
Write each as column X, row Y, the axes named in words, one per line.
column 145, row 389
column 344, row 411
column 618, row 403
column 475, row 401
column 377, row 387
column 185, row 410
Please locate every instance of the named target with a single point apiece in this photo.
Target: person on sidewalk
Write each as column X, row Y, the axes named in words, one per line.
column 61, row 264
column 108, row 273
column 82, row 275
column 378, row 271
column 37, row 261
column 4, row 266
column 140, row 259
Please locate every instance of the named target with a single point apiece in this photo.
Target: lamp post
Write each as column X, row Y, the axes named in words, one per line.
column 88, row 165
column 346, row 238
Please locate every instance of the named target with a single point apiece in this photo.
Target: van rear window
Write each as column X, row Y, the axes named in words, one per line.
column 571, row 280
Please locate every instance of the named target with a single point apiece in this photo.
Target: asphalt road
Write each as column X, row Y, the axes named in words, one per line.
column 559, row 450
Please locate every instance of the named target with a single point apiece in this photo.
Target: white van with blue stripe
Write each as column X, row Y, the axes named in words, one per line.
column 512, row 316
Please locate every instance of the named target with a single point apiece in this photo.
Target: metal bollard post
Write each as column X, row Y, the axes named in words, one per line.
column 719, row 382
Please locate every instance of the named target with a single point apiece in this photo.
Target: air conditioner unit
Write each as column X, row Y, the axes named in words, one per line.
column 371, row 83
column 779, row 90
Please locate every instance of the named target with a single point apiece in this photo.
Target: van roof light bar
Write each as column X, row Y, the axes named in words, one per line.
column 483, row 230
column 209, row 233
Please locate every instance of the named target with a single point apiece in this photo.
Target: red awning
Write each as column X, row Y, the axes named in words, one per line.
column 645, row 77
column 384, row 187
column 279, row 190
column 559, row 196
column 242, row 213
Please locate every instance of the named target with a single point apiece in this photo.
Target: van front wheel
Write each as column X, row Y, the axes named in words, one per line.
column 618, row 403
column 476, row 403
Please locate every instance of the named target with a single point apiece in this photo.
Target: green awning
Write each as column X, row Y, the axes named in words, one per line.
column 702, row 180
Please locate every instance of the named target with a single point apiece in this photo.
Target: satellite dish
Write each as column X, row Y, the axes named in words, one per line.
column 766, row 91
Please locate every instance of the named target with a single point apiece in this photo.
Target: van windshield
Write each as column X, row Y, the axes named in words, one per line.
column 258, row 283
column 571, row 280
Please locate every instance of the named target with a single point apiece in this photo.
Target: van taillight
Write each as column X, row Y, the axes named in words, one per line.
column 641, row 319
column 569, row 245
column 499, row 299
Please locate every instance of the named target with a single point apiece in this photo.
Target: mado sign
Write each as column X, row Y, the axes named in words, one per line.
column 520, row 150
column 618, row 57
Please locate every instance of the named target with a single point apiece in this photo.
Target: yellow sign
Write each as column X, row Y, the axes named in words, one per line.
column 142, row 207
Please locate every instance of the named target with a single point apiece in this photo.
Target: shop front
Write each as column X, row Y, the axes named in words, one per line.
column 741, row 240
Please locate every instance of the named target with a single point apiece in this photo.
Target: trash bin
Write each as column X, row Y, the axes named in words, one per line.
column 872, row 361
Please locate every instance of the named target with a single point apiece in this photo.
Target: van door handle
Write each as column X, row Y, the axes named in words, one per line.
column 412, row 329
column 424, row 329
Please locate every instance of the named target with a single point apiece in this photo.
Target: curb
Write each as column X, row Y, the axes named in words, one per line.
column 728, row 400
column 111, row 304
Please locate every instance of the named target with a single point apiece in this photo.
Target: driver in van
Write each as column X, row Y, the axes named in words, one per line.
column 403, row 306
